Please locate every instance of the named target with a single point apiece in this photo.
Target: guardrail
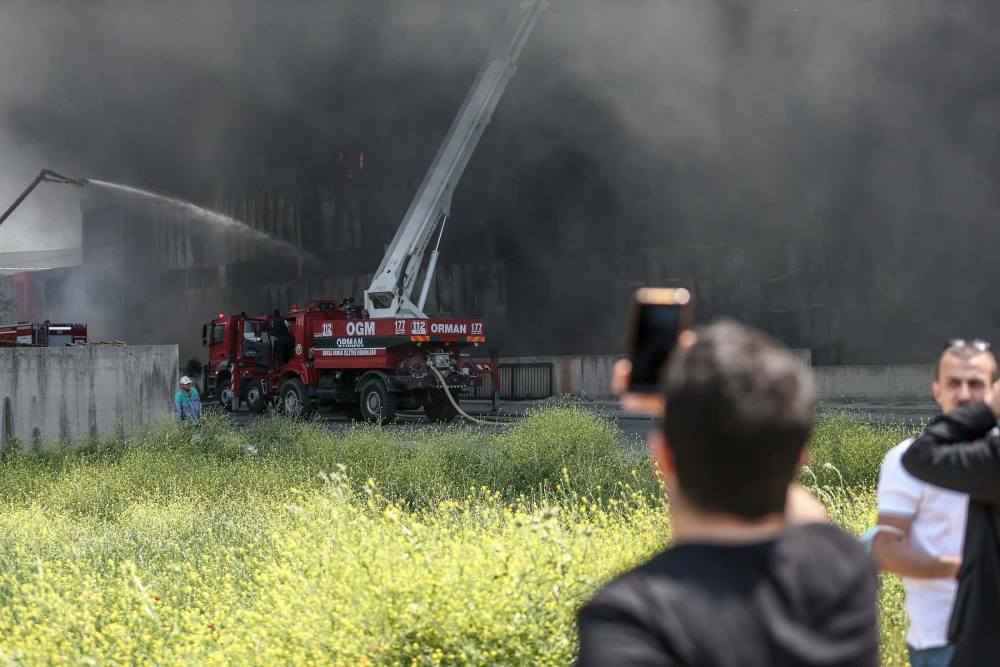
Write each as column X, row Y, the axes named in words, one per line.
column 519, row 382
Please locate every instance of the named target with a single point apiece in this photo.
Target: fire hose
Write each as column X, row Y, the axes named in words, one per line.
column 444, row 385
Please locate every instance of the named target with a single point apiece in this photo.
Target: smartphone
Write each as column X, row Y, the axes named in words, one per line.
column 658, row 316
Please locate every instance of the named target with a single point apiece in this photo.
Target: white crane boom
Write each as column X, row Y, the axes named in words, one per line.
column 389, row 294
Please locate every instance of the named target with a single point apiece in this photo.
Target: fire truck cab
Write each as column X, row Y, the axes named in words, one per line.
column 235, row 351
column 369, row 369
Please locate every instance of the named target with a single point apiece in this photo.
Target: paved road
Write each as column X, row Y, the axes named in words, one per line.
column 634, row 427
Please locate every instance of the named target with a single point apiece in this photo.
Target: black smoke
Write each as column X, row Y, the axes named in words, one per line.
column 827, row 170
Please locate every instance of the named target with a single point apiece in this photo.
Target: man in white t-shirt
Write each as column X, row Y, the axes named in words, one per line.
column 921, row 528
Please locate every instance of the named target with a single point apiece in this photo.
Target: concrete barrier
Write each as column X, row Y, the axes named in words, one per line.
column 903, row 383
column 67, row 393
column 590, row 377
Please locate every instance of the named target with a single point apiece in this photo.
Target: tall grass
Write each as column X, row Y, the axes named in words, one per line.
column 365, row 545
column 413, row 467
column 853, row 447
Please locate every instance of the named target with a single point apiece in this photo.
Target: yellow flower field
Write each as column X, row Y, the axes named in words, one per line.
column 351, row 548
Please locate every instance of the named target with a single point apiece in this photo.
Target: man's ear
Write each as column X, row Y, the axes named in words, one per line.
column 936, row 390
column 803, row 459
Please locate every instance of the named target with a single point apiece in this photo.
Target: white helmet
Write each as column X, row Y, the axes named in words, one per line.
column 185, row 380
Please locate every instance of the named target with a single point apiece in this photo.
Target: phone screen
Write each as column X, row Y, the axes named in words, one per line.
column 657, row 327
column 658, row 317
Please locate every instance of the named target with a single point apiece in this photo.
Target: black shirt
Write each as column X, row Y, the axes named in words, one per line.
column 279, row 330
column 957, row 453
column 805, row 598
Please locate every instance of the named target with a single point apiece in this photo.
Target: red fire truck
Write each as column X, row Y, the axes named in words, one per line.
column 368, row 368
column 44, row 334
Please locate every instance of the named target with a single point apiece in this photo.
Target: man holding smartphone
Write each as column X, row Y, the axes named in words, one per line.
column 921, row 527
column 754, row 576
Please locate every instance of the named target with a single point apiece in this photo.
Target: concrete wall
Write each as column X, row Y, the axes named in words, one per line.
column 47, row 394
column 586, row 375
column 590, row 376
column 904, row 383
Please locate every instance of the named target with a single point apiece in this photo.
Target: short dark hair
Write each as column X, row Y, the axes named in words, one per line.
column 739, row 412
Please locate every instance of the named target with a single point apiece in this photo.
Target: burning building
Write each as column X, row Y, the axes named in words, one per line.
column 149, row 273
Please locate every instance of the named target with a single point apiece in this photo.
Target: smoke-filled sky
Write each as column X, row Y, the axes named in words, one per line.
column 708, row 109
column 629, row 122
column 170, row 96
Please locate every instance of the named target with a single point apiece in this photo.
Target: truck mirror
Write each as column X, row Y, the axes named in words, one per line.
column 204, row 335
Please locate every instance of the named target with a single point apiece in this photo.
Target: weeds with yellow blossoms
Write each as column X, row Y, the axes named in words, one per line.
column 352, row 547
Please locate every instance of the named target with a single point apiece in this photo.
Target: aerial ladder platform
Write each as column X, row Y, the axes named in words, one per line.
column 391, row 292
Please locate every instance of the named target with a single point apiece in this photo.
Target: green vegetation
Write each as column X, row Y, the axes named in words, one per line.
column 353, row 547
column 193, row 368
column 853, row 447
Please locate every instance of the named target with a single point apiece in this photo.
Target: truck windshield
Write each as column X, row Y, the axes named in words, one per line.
column 252, row 329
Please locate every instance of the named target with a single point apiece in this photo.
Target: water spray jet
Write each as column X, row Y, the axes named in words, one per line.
column 193, row 210
column 200, row 213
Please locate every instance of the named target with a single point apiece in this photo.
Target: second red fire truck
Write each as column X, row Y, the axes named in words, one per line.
column 45, row 334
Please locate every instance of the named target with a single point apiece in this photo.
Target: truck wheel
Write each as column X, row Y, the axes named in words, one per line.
column 256, row 398
column 225, row 393
column 438, row 408
column 378, row 404
column 295, row 399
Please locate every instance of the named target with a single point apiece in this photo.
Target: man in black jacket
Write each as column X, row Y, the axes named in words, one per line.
column 282, row 338
column 956, row 453
column 751, row 579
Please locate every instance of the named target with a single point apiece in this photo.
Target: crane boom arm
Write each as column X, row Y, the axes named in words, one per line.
column 46, row 175
column 390, row 291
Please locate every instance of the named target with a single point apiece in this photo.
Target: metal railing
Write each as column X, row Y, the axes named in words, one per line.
column 518, row 382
